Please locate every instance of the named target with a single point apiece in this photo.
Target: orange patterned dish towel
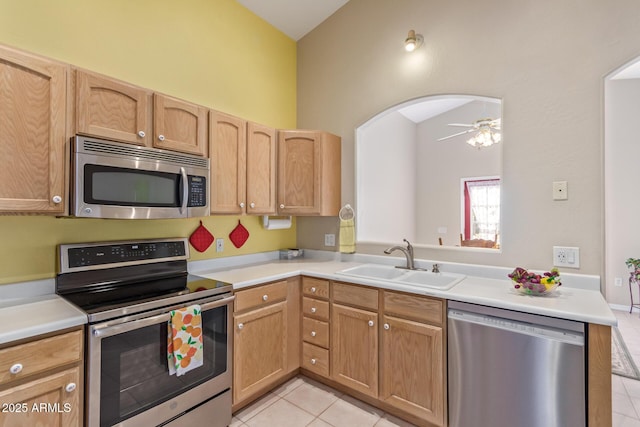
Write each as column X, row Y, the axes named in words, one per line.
column 184, row 340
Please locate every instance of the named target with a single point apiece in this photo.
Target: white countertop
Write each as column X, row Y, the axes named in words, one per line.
column 566, row 303
column 33, row 308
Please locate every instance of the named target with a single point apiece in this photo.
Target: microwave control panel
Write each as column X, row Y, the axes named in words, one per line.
column 197, row 191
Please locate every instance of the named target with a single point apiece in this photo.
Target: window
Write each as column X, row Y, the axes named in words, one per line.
column 482, row 209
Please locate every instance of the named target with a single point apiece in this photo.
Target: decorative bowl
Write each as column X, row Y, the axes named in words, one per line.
column 535, row 289
column 530, row 283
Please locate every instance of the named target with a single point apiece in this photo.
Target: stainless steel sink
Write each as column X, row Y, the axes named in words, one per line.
column 392, row 274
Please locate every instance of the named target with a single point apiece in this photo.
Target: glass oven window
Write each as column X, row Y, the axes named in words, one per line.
column 107, row 185
column 134, row 374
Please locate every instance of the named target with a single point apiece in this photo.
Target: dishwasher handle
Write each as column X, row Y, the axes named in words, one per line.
column 538, row 331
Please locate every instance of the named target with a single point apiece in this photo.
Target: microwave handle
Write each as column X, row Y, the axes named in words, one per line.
column 184, row 185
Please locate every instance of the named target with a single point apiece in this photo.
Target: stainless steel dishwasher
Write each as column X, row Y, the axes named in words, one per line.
column 512, row 369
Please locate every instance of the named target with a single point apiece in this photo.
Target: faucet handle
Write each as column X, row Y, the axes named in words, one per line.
column 435, row 268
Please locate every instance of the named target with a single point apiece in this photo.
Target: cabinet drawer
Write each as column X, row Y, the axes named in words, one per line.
column 260, row 296
column 41, row 355
column 358, row 296
column 315, row 308
column 414, row 307
column 315, row 332
column 315, row 359
column 318, row 288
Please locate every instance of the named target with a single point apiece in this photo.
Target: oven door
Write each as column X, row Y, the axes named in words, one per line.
column 128, row 382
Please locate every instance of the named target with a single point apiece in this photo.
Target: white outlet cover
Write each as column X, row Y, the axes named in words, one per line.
column 329, row 239
column 564, row 256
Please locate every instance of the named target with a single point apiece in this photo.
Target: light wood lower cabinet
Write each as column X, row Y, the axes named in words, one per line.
column 266, row 338
column 260, row 355
column 354, row 353
column 48, row 401
column 412, row 368
column 42, row 382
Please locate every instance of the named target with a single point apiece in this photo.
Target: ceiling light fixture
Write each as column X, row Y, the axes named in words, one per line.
column 413, row 41
column 485, row 137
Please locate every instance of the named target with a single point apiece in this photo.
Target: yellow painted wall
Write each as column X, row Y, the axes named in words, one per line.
column 212, row 52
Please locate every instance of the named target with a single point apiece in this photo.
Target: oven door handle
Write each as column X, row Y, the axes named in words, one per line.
column 99, row 331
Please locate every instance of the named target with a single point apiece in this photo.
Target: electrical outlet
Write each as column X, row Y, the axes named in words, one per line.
column 219, row 245
column 618, row 281
column 566, row 257
column 329, row 239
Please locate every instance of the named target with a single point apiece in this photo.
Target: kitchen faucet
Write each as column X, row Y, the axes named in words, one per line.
column 408, row 253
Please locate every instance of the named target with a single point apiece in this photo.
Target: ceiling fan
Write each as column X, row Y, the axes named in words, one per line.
column 485, row 130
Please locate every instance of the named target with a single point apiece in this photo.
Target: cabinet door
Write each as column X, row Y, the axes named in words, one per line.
column 45, row 401
column 299, row 172
column 179, row 125
column 412, row 369
column 260, row 349
column 354, row 348
column 32, row 125
column 111, row 109
column 261, row 169
column 228, row 150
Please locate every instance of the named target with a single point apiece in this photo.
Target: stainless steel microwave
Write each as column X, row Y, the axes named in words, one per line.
column 116, row 180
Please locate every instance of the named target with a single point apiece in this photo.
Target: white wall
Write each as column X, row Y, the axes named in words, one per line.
column 387, row 158
column 622, row 183
column 545, row 59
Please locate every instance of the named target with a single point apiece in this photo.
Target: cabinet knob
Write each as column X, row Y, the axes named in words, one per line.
column 313, row 290
column 240, row 325
column 265, row 297
column 281, row 206
column 313, row 333
column 386, row 326
column 242, row 204
column 70, row 387
column 313, row 309
column 370, row 322
column 252, row 205
column 16, row 369
column 56, row 199
column 313, row 361
column 141, row 134
column 161, row 137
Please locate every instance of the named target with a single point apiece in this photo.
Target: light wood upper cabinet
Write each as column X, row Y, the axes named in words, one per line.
column 112, row 109
column 261, row 169
column 228, row 150
column 179, row 125
column 309, row 173
column 243, row 166
column 32, row 125
column 115, row 110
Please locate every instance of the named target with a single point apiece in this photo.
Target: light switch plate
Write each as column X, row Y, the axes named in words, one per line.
column 329, row 239
column 219, row 245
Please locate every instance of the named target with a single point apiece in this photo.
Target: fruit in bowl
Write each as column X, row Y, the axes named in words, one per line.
column 530, row 283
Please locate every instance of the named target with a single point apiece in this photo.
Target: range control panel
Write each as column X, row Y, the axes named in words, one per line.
column 91, row 255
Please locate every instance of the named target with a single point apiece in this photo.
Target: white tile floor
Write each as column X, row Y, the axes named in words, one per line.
column 626, row 392
column 303, row 402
